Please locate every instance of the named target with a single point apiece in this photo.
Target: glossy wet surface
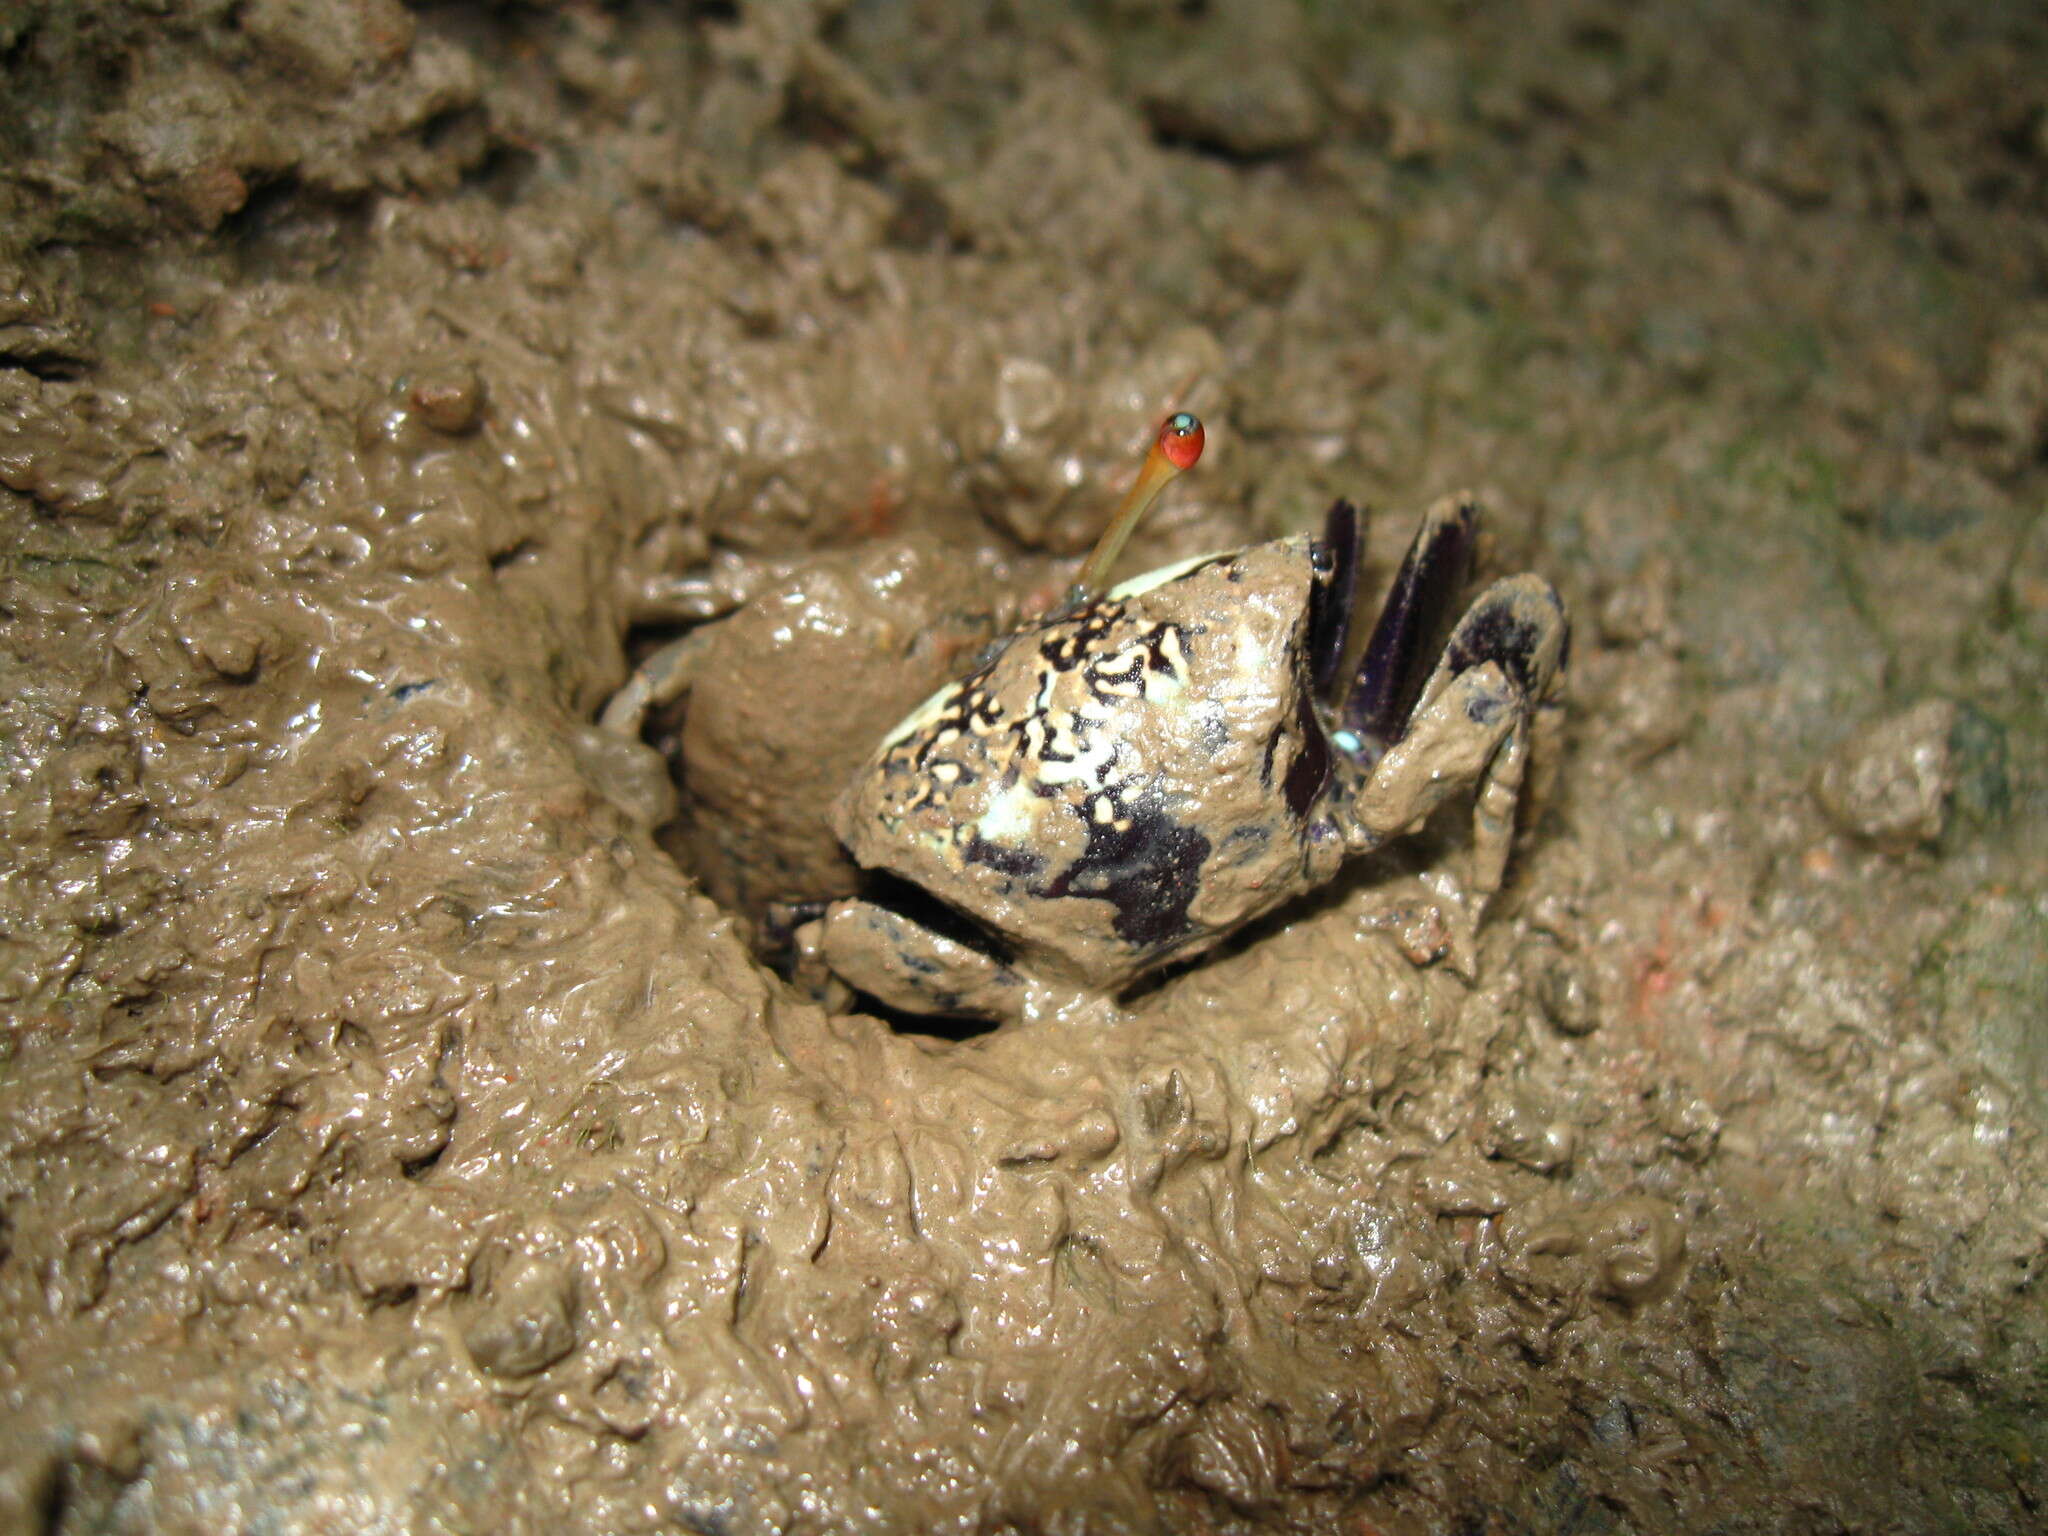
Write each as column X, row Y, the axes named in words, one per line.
column 392, row 1136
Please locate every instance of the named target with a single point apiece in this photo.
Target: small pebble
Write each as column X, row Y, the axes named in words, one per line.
column 1889, row 784
column 1635, row 1244
column 1564, row 994
column 526, row 1322
column 1246, row 109
column 449, row 398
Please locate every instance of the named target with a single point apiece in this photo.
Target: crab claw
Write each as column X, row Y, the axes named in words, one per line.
column 1334, row 595
column 1438, row 708
column 1408, row 636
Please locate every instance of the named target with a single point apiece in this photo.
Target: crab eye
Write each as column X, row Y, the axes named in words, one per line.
column 1181, row 438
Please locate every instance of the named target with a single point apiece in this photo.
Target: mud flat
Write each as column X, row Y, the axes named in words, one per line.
column 397, row 1129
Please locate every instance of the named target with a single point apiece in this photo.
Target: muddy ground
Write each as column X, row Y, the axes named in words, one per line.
column 394, row 1135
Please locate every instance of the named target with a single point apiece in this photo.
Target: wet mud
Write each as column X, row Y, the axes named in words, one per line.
column 398, row 1128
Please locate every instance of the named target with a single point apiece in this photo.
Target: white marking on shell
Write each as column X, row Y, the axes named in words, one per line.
column 1164, row 687
column 921, row 716
column 1091, row 760
column 1251, row 660
column 1176, row 657
column 1011, row 817
column 1140, row 584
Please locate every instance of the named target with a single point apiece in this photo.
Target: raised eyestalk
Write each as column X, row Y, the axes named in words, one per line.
column 1176, row 448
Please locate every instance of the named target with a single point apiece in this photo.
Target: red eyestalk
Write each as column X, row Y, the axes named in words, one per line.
column 1176, row 448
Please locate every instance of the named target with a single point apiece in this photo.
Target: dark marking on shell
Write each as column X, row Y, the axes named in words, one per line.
column 1017, row 863
column 1310, row 770
column 1099, row 674
column 966, row 704
column 1047, row 751
column 1071, row 639
column 1146, row 865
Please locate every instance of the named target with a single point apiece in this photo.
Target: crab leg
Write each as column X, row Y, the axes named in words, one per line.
column 660, row 679
column 1494, row 689
column 950, row 977
column 1518, row 626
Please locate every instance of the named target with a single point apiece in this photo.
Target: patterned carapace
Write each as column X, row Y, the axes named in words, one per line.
column 1131, row 779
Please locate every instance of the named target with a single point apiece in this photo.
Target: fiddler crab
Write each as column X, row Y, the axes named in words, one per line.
column 1127, row 780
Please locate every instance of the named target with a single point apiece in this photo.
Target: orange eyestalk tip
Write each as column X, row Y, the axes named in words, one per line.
column 1176, row 448
column 1181, row 438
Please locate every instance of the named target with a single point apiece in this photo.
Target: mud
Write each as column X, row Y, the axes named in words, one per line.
column 764, row 714
column 394, row 1135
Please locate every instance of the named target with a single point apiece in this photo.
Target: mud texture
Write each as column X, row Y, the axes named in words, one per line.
column 765, row 714
column 395, row 1136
